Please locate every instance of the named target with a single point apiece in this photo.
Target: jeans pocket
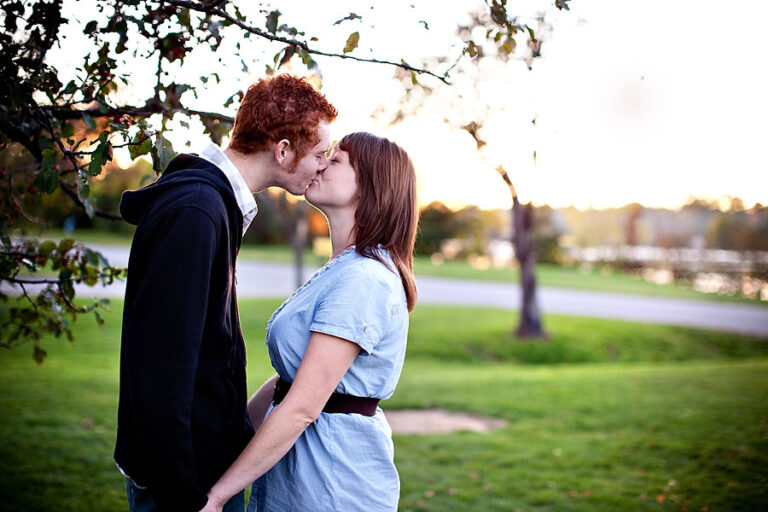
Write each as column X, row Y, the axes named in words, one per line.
column 140, row 498
column 133, row 483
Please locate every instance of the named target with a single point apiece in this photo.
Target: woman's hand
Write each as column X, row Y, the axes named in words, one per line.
column 211, row 506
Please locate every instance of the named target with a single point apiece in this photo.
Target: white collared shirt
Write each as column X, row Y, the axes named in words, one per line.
column 244, row 197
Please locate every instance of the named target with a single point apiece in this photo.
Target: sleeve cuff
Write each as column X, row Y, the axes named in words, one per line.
column 345, row 333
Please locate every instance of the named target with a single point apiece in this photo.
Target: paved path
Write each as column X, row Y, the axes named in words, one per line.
column 278, row 280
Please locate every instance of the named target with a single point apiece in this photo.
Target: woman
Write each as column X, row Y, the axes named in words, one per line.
column 338, row 345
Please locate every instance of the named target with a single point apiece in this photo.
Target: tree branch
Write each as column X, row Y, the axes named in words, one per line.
column 22, row 282
column 216, row 10
column 79, row 202
column 26, row 295
column 152, row 107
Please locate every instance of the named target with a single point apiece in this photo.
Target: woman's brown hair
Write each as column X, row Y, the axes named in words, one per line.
column 387, row 212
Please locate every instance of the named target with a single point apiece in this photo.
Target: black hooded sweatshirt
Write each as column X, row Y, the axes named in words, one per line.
column 182, row 417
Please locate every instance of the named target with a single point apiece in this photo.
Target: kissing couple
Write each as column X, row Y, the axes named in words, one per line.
column 313, row 437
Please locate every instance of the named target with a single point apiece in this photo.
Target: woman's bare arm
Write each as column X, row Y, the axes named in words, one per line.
column 325, row 362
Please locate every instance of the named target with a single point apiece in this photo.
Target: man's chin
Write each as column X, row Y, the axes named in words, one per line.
column 296, row 191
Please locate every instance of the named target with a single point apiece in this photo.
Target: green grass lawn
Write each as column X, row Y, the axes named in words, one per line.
column 608, row 437
column 604, row 416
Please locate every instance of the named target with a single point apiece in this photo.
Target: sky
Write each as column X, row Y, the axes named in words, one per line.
column 651, row 101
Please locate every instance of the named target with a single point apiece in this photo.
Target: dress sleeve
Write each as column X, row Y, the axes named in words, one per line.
column 355, row 308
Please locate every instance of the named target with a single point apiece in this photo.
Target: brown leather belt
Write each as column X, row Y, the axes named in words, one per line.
column 339, row 402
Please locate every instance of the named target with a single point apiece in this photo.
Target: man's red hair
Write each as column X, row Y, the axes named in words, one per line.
column 280, row 107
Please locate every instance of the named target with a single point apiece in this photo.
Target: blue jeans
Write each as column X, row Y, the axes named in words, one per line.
column 142, row 499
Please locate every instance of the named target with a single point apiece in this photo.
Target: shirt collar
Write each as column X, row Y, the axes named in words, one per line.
column 243, row 195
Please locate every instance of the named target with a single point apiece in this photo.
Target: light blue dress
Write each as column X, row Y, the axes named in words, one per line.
column 342, row 462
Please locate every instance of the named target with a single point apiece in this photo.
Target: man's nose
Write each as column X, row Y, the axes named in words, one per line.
column 321, row 166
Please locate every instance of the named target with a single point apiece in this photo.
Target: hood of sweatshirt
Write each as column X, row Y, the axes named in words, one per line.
column 182, row 170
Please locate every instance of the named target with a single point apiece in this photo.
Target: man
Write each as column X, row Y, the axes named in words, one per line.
column 182, row 415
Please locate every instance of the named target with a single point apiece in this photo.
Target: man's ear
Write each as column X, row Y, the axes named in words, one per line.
column 282, row 151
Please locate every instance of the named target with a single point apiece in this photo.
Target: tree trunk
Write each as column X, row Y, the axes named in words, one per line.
column 530, row 317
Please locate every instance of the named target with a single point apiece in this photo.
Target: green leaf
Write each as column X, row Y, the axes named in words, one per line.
column 499, row 13
column 162, row 153
column 47, row 247
column 289, row 52
column 509, row 45
column 99, row 157
column 231, row 99
column 47, row 180
column 240, row 16
column 351, row 16
column 305, row 57
column 121, row 27
column 414, row 80
column 472, row 49
column 91, row 27
column 70, row 88
column 142, row 144
column 67, row 130
column 352, row 41
column 65, row 245
column 92, row 256
column 50, row 155
column 39, row 354
column 185, row 19
column 272, row 21
column 91, row 275
column 68, row 289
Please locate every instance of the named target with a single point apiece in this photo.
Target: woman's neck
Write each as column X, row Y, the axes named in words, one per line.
column 341, row 225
